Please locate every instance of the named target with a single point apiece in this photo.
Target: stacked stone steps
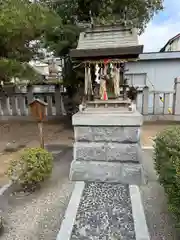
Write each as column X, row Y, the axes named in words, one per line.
column 107, row 147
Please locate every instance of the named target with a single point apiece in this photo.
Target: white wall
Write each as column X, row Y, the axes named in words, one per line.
column 161, row 73
column 160, row 77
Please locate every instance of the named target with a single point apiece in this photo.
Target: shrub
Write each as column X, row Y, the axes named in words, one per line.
column 167, row 165
column 33, row 167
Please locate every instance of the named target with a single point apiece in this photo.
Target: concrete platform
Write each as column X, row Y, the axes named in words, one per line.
column 108, row 117
column 104, row 211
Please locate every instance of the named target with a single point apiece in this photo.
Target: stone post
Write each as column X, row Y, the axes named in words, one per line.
column 176, row 100
column 29, row 94
column 58, row 100
column 145, row 106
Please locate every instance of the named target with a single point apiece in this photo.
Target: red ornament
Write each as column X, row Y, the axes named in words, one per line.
column 106, row 61
column 105, row 96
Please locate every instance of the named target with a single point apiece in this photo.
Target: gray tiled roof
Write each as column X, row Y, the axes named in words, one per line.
column 107, row 37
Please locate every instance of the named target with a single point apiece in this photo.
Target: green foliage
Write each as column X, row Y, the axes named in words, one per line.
column 62, row 39
column 10, row 68
column 167, row 165
column 138, row 14
column 33, row 167
column 22, row 23
column 65, row 37
column 138, row 11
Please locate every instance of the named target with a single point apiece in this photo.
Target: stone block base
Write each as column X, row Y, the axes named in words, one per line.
column 107, row 146
column 119, row 134
column 108, row 152
column 114, row 172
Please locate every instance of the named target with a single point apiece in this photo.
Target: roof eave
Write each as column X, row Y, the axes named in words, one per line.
column 112, row 53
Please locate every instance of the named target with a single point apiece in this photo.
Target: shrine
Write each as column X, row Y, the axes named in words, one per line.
column 107, row 127
column 104, row 51
column 107, row 167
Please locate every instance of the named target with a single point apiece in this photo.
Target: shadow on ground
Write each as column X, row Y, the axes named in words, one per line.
column 159, row 220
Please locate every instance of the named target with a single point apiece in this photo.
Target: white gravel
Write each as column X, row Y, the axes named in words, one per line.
column 39, row 215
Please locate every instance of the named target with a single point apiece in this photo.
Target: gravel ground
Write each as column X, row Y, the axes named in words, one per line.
column 15, row 135
column 159, row 220
column 38, row 216
column 104, row 213
column 26, row 133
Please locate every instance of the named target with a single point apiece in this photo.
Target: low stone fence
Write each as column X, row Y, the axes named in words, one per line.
column 15, row 106
column 153, row 105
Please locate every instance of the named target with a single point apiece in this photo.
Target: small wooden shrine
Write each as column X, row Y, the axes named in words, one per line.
column 104, row 50
column 107, row 140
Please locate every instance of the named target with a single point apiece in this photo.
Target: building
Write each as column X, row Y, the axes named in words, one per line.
column 40, row 67
column 155, row 70
column 172, row 45
column 48, row 68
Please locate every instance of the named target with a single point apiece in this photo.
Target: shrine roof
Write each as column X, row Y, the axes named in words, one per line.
column 107, row 41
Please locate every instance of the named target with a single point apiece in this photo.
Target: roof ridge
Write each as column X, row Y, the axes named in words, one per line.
column 169, row 41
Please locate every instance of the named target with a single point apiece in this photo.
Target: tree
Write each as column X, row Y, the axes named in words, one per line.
column 22, row 23
column 136, row 12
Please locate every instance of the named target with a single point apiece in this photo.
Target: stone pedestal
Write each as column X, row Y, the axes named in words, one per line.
column 107, row 146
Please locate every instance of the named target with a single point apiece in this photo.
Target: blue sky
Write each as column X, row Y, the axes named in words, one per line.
column 163, row 26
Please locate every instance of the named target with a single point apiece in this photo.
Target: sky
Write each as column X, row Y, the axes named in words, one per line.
column 163, row 26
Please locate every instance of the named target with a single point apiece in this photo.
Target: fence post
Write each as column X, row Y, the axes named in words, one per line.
column 176, row 100
column 156, row 103
column 58, row 100
column 166, row 103
column 22, row 105
column 14, row 104
column 62, row 105
column 29, row 94
column 6, row 106
column 1, row 111
column 145, row 102
column 49, row 106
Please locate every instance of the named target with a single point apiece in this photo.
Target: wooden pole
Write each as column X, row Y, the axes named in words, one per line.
column 41, row 135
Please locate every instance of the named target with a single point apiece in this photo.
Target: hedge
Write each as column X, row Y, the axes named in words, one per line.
column 167, row 165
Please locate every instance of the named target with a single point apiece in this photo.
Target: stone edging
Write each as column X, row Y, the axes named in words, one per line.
column 140, row 225
column 5, row 188
column 70, row 215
